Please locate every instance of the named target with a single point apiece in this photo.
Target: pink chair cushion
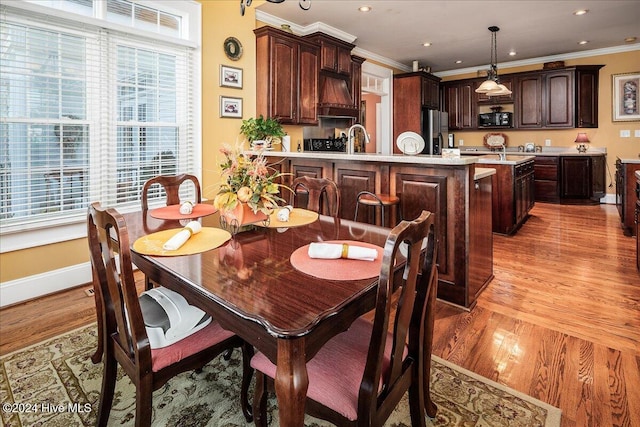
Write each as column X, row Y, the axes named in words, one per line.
column 335, row 373
column 208, row 336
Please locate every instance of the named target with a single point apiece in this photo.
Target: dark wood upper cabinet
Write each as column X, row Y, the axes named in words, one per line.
column 460, row 103
column 287, row 88
column 335, row 54
column 587, row 78
column 529, row 101
column 547, row 99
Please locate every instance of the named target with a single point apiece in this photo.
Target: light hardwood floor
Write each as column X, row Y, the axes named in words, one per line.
column 560, row 321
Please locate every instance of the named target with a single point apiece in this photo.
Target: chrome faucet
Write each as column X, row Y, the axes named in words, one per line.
column 503, row 155
column 350, row 143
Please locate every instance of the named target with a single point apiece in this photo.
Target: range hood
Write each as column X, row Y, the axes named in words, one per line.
column 335, row 99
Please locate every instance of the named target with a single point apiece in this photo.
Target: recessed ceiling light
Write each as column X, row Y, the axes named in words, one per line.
column 630, row 39
column 583, row 42
column 581, row 12
column 426, row 44
column 458, row 62
column 365, row 8
column 513, row 53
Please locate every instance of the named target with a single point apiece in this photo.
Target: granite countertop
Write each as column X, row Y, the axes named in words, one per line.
column 546, row 151
column 510, row 159
column 629, row 160
column 484, row 172
column 365, row 157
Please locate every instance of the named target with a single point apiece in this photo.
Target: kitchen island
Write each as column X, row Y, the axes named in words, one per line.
column 456, row 190
column 513, row 189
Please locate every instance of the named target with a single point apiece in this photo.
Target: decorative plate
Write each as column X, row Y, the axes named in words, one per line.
column 410, row 143
column 233, row 48
column 495, row 140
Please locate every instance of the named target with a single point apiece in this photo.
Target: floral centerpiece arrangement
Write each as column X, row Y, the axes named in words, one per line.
column 247, row 180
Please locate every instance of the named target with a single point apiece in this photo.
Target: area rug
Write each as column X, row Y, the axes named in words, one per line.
column 54, row 383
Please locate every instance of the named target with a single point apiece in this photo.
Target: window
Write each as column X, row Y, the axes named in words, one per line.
column 89, row 114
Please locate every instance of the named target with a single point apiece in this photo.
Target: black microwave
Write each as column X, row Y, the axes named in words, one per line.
column 495, row 119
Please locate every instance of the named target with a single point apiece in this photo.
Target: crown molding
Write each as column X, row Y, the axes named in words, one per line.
column 543, row 59
column 308, row 29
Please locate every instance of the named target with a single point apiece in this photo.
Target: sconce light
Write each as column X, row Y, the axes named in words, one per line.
column 581, row 142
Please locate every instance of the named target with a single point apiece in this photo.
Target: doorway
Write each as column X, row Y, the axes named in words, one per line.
column 377, row 94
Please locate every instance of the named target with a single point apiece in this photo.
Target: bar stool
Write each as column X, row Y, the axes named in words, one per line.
column 368, row 198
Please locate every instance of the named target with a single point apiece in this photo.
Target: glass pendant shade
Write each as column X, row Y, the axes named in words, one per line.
column 488, row 86
column 502, row 90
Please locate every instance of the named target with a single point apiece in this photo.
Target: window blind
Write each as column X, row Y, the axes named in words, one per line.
column 87, row 114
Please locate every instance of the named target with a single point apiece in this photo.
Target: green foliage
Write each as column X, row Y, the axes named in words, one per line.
column 260, row 128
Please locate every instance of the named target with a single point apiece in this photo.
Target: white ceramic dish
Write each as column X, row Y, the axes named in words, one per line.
column 410, row 143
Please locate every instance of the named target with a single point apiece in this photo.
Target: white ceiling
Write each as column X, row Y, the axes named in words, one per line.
column 396, row 29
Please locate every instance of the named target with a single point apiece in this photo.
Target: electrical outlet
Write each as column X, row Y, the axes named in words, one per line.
column 461, row 142
column 625, row 133
column 89, row 292
column 636, row 133
column 547, row 142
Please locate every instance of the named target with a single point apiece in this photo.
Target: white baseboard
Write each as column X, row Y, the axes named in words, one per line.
column 609, row 199
column 38, row 285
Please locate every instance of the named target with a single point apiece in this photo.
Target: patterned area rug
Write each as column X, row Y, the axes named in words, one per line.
column 54, row 383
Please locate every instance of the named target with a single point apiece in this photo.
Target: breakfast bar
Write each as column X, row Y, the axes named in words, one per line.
column 455, row 189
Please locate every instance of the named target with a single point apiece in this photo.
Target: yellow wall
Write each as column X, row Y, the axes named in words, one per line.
column 222, row 19
column 608, row 132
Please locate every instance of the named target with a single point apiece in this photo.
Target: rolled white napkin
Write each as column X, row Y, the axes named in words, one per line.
column 338, row 250
column 180, row 238
column 283, row 213
column 186, row 208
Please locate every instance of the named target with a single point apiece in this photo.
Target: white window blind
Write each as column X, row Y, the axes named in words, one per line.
column 87, row 114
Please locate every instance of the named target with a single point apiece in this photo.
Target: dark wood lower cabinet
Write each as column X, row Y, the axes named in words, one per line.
column 352, row 178
column 546, row 179
column 576, row 178
column 570, row 178
column 513, row 195
column 481, row 238
column 626, row 194
column 418, row 191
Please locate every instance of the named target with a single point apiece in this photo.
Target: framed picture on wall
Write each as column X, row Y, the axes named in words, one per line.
column 230, row 107
column 626, row 97
column 230, row 77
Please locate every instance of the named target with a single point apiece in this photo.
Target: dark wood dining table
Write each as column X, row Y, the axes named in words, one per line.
column 251, row 288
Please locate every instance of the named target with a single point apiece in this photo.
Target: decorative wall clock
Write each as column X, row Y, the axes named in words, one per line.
column 232, row 48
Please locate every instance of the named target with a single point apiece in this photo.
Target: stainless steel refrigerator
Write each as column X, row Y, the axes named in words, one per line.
column 435, row 130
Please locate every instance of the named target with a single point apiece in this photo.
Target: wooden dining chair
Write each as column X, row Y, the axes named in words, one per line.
column 124, row 337
column 171, row 185
column 322, row 194
column 358, row 377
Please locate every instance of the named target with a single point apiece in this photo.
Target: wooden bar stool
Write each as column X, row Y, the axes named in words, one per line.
column 368, row 198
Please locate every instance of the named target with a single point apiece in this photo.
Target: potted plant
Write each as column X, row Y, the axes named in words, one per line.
column 259, row 129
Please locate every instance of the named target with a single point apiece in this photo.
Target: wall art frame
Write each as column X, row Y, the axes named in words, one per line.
column 230, row 77
column 230, row 107
column 626, row 97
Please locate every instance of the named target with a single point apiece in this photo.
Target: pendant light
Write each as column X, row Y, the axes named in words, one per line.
column 492, row 86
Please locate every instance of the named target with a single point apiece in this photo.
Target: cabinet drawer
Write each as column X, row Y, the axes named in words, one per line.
column 546, row 172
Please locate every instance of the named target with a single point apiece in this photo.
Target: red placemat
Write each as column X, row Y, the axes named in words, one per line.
column 173, row 212
column 337, row 269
